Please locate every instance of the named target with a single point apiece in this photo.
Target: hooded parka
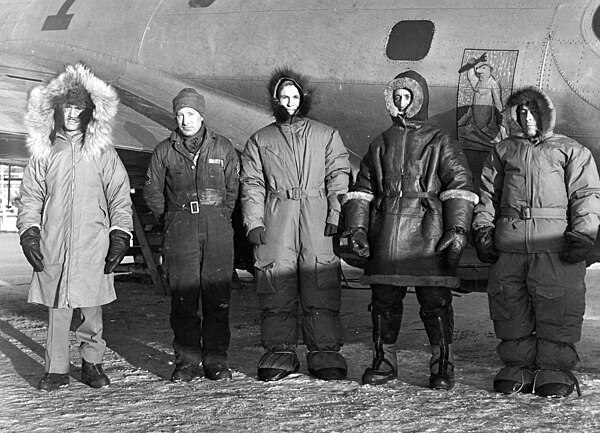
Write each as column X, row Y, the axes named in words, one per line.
column 76, row 190
column 293, row 172
column 196, row 194
column 414, row 183
column 534, row 190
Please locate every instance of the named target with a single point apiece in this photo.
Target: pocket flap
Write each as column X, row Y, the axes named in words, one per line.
column 550, row 292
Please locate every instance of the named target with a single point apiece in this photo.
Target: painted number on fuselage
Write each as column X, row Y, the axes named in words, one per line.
column 61, row 20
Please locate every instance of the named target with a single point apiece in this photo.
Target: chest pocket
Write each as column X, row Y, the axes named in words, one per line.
column 214, row 190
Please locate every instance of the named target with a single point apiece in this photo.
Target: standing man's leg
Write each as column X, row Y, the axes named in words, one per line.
column 514, row 324
column 438, row 317
column 57, row 349
column 558, row 297
column 386, row 309
column 92, row 347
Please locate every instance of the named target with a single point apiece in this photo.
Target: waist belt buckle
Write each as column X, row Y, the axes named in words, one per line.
column 294, row 194
column 194, row 207
column 525, row 213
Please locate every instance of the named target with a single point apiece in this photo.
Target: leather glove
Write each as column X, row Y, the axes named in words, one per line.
column 359, row 243
column 577, row 248
column 484, row 244
column 256, row 236
column 452, row 243
column 119, row 244
column 30, row 242
column 331, row 229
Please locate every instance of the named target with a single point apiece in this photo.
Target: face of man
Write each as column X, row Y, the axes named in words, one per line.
column 528, row 119
column 289, row 97
column 402, row 99
column 72, row 116
column 189, row 121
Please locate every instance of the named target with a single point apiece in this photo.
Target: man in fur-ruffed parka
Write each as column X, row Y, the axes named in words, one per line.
column 408, row 214
column 536, row 223
column 75, row 215
column 293, row 173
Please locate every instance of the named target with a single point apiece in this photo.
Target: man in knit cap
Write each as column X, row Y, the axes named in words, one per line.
column 192, row 182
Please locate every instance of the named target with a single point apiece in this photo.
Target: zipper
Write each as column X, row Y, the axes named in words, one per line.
column 528, row 193
column 71, row 227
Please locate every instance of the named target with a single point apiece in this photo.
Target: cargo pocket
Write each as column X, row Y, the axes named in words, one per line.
column 266, row 276
column 550, row 304
column 327, row 272
column 497, row 302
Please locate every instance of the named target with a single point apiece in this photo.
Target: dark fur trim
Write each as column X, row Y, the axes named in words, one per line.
column 534, row 96
column 306, row 93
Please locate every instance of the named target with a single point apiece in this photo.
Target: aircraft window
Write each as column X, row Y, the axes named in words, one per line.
column 410, row 40
column 596, row 23
column 201, row 3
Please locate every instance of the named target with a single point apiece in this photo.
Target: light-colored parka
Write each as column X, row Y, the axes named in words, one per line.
column 75, row 190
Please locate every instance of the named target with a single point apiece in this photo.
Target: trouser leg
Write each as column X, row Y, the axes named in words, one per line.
column 57, row 340
column 186, row 326
column 216, row 334
column 89, row 335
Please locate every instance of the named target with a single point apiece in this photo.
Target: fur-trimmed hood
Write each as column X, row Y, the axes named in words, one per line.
column 417, row 85
column 46, row 99
column 531, row 96
column 281, row 75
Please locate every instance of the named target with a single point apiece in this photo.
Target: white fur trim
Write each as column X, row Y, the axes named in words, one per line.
column 357, row 195
column 459, row 193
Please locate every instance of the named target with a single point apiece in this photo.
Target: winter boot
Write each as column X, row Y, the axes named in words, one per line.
column 384, row 367
column 277, row 365
column 217, row 371
column 185, row 372
column 512, row 379
column 441, row 367
column 52, row 381
column 93, row 375
column 327, row 365
column 555, row 383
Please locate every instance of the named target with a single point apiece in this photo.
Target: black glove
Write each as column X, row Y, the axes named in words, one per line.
column 577, row 248
column 331, row 229
column 484, row 244
column 452, row 242
column 256, row 236
column 30, row 242
column 359, row 243
column 119, row 244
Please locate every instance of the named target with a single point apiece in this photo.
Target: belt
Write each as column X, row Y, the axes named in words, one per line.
column 191, row 207
column 527, row 213
column 409, row 194
column 298, row 193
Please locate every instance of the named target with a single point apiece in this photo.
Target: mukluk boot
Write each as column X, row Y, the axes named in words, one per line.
column 384, row 367
column 441, row 367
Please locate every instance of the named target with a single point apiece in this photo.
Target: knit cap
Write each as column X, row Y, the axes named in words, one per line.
column 188, row 97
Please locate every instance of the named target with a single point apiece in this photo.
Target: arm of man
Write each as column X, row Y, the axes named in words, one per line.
column 232, row 177
column 337, row 176
column 155, row 183
column 253, row 187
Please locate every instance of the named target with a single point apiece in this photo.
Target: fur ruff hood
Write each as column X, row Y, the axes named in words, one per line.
column 306, row 93
column 46, row 99
column 531, row 96
column 417, row 85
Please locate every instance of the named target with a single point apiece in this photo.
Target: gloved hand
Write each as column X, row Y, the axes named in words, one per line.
column 256, row 236
column 30, row 242
column 452, row 242
column 484, row 244
column 331, row 229
column 358, row 240
column 577, row 248
column 119, row 244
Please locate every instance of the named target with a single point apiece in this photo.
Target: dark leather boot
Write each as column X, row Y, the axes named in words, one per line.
column 441, row 367
column 217, row 371
column 52, row 381
column 384, row 367
column 185, row 372
column 93, row 375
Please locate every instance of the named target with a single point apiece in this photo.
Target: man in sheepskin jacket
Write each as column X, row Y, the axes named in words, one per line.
column 408, row 214
column 293, row 172
column 75, row 215
column 536, row 222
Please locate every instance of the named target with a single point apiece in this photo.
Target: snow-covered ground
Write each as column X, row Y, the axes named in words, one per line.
column 142, row 399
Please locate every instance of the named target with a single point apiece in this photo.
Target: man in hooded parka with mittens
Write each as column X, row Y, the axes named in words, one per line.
column 293, row 173
column 408, row 213
column 75, row 216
